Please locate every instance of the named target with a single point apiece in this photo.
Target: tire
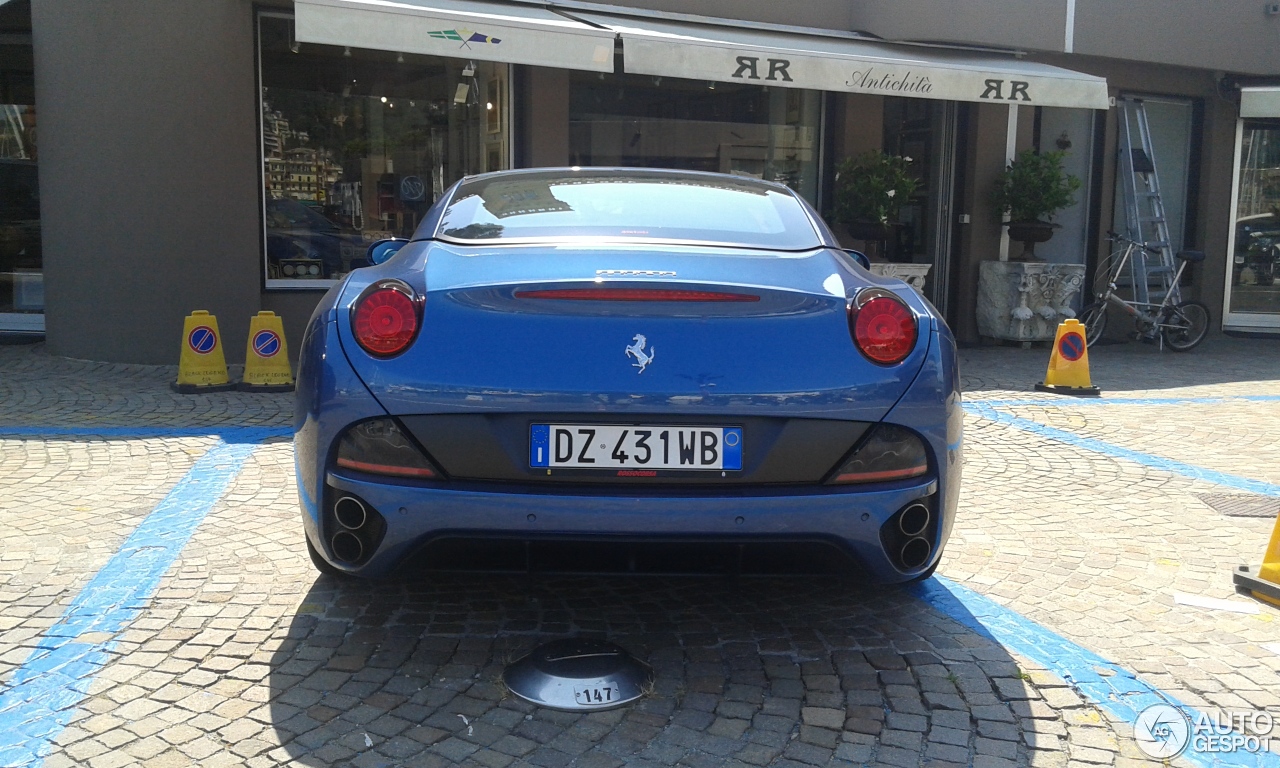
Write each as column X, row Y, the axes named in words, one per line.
column 1192, row 317
column 1094, row 319
column 923, row 576
column 321, row 564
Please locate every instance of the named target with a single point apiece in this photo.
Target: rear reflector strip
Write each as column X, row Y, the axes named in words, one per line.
column 875, row 477
column 385, row 469
column 633, row 294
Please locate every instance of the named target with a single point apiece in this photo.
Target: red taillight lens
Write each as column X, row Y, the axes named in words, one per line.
column 883, row 328
column 633, row 294
column 385, row 318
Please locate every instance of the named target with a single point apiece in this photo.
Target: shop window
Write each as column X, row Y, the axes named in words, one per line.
column 1255, row 262
column 21, row 274
column 21, row 260
column 663, row 122
column 357, row 144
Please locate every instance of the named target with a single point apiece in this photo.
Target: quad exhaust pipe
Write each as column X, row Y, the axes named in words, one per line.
column 909, row 545
column 348, row 543
column 347, row 546
column 350, row 512
column 913, row 520
column 915, row 553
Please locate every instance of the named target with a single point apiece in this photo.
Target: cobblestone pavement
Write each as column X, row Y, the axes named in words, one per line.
column 244, row 656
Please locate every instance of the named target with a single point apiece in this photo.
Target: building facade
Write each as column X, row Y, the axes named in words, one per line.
column 237, row 156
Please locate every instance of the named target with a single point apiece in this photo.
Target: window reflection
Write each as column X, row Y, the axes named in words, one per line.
column 649, row 122
column 357, row 145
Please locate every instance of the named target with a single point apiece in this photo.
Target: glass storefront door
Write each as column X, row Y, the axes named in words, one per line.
column 1172, row 125
column 1070, row 131
column 1253, row 279
column 924, row 130
column 357, row 144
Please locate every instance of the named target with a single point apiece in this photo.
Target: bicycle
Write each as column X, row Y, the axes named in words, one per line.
column 1182, row 325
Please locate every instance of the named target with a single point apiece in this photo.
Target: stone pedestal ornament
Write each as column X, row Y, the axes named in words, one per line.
column 913, row 274
column 1025, row 301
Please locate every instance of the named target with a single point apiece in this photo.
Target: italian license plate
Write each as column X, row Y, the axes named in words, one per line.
column 603, row 446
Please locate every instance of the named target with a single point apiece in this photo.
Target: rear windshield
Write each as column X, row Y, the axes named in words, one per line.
column 613, row 204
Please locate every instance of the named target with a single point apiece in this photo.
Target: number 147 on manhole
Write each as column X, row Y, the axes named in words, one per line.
column 589, row 696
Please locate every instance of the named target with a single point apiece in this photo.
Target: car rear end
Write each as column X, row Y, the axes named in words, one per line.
column 476, row 396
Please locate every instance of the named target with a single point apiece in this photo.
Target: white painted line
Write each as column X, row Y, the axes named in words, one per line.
column 1213, row 603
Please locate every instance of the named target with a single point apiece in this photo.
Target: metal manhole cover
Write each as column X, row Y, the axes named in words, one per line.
column 1242, row 505
column 579, row 675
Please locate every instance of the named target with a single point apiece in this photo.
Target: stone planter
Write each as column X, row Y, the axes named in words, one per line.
column 913, row 274
column 1025, row 301
column 1029, row 233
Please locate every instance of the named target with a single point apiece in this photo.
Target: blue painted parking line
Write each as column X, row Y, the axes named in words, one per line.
column 229, row 434
column 1070, row 402
column 1115, row 690
column 986, row 411
column 42, row 695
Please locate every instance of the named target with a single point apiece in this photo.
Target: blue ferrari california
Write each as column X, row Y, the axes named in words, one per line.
column 591, row 367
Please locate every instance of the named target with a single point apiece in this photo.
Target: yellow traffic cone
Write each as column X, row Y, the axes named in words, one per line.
column 1068, row 372
column 202, row 367
column 266, row 356
column 1266, row 584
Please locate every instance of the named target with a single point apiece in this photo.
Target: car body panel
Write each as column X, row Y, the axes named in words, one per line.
column 502, row 352
column 507, row 362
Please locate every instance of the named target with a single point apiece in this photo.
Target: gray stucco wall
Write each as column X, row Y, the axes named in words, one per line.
column 1234, row 36
column 148, row 174
column 1229, row 35
column 827, row 14
column 1039, row 24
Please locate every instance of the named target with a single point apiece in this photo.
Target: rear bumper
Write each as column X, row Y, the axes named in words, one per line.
column 850, row 520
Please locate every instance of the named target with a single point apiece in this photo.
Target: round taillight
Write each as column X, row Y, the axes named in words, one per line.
column 884, row 330
column 385, row 319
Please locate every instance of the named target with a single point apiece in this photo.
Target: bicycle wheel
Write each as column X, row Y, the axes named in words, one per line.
column 1185, row 325
column 1094, row 319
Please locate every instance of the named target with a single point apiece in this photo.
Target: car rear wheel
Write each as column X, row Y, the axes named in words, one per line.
column 320, row 563
column 926, row 574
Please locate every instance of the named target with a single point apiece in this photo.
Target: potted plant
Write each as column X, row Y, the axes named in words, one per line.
column 1031, row 190
column 870, row 190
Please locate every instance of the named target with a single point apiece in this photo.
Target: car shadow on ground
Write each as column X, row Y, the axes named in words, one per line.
column 815, row 670
column 1125, row 367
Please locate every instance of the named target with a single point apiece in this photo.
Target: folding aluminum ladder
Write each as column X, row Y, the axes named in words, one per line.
column 1151, row 275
